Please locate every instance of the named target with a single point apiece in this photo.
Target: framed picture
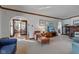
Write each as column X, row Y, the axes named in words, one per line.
column 42, row 22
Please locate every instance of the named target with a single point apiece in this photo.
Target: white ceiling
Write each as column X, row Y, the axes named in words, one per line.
column 60, row 11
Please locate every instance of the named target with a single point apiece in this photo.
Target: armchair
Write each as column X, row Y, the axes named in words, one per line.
column 75, row 45
column 8, row 45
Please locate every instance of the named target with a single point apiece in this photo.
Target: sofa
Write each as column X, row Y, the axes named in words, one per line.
column 75, row 45
column 8, row 45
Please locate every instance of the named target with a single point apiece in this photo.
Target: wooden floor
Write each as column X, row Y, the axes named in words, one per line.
column 21, row 48
column 17, row 35
column 58, row 45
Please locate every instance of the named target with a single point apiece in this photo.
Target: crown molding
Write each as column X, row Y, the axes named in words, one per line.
column 72, row 17
column 5, row 8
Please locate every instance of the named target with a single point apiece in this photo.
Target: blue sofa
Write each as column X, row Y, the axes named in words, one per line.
column 8, row 45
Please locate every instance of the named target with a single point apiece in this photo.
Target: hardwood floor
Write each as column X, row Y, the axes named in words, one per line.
column 58, row 45
column 17, row 35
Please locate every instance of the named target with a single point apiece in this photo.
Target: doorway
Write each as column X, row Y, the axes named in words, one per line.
column 18, row 28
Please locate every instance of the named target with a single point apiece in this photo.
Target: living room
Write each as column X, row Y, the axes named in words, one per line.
column 39, row 33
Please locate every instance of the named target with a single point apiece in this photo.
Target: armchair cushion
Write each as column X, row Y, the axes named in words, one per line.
column 75, row 48
column 8, row 49
column 75, row 45
column 75, row 39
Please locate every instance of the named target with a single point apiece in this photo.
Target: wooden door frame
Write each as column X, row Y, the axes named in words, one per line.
column 14, row 27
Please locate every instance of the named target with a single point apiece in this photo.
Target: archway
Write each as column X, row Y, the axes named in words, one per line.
column 18, row 27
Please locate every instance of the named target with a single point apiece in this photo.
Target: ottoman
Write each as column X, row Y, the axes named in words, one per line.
column 44, row 40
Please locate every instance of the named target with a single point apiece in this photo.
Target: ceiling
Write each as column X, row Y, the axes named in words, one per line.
column 60, row 11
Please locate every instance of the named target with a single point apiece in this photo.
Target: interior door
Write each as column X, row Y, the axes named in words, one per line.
column 19, row 27
column 23, row 30
column 16, row 26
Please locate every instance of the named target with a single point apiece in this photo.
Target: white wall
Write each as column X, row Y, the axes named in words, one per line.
column 5, row 22
column 0, row 22
column 70, row 21
column 32, row 19
column 67, row 21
